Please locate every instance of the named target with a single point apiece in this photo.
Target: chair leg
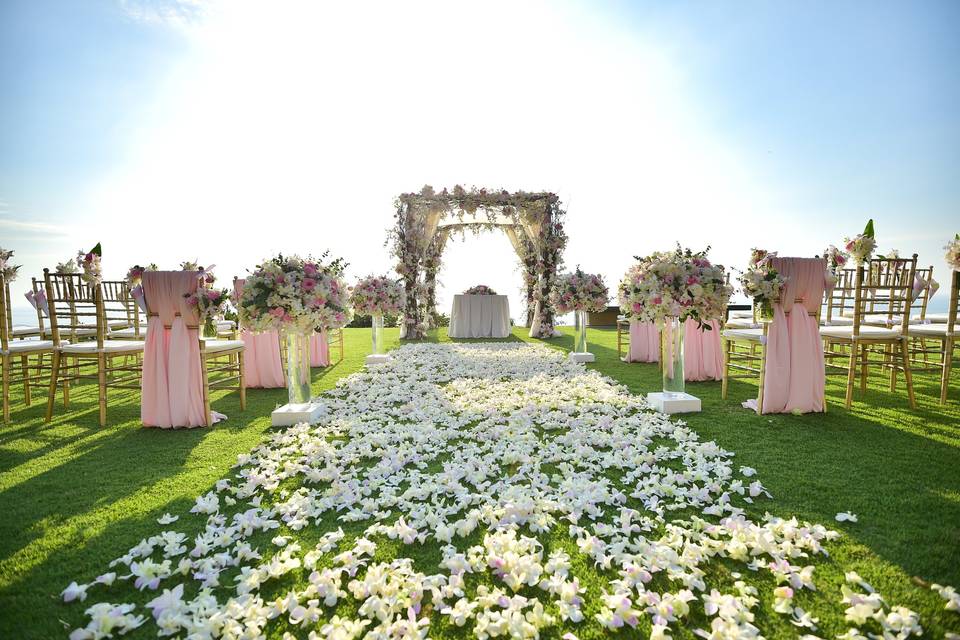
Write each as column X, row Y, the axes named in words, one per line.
column 66, row 380
column 243, row 382
column 907, row 375
column 851, row 374
column 947, row 365
column 52, row 394
column 102, row 386
column 725, row 379
column 206, row 391
column 889, row 359
column 25, row 370
column 863, row 370
column 5, row 372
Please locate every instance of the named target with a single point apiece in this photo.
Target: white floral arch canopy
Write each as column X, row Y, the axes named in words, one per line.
column 424, row 220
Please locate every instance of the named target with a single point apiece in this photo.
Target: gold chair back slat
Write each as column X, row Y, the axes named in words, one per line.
column 884, row 286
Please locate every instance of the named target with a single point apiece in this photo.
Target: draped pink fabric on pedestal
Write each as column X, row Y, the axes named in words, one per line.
column 702, row 352
column 319, row 350
column 172, row 381
column 794, row 368
column 644, row 343
column 262, row 364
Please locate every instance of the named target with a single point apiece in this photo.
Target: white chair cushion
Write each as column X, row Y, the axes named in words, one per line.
column 752, row 335
column 934, row 330
column 28, row 346
column 213, row 346
column 880, row 319
column 933, row 317
column 837, row 322
column 872, row 333
column 109, row 346
column 26, row 331
column 129, row 332
column 741, row 323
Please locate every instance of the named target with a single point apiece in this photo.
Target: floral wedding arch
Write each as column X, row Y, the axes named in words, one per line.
column 424, row 221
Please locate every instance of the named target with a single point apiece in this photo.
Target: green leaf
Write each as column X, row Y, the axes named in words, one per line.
column 97, row 251
column 868, row 230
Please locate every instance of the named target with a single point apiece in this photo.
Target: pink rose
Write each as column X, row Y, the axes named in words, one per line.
column 310, row 269
column 213, row 295
column 309, row 284
column 277, row 312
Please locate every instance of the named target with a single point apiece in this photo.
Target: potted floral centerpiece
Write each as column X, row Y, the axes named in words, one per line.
column 580, row 292
column 480, row 290
column 296, row 297
column 762, row 282
column 667, row 289
column 376, row 296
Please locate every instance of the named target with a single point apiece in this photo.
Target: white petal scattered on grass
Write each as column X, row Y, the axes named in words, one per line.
column 846, row 516
column 74, row 591
column 167, row 519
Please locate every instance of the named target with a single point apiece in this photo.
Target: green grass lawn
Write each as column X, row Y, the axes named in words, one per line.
column 74, row 496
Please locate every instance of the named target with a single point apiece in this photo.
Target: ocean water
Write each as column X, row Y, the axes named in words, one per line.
column 24, row 316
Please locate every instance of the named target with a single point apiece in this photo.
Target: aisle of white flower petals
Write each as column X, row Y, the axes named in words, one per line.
column 478, row 451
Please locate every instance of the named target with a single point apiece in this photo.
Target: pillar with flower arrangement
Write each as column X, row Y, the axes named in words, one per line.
column 580, row 293
column 668, row 289
column 375, row 296
column 296, row 297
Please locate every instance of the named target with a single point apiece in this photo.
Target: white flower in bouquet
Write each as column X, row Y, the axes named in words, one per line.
column 953, row 253
column 70, row 266
column 290, row 293
column 579, row 291
column 862, row 246
column 89, row 262
column 761, row 281
column 378, row 295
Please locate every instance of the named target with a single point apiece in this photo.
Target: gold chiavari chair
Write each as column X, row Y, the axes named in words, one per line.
column 19, row 332
column 837, row 308
column 31, row 372
column 937, row 340
column 335, row 339
column 74, row 306
column 623, row 336
column 123, row 313
column 882, row 286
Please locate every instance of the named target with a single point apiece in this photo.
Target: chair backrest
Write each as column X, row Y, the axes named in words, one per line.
column 884, row 286
column 6, row 326
column 118, row 304
column 840, row 298
column 39, row 302
column 166, row 295
column 921, row 291
column 74, row 306
column 805, row 282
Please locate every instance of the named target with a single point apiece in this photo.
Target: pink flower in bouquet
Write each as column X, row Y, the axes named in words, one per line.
column 693, row 280
column 637, row 307
column 309, row 284
column 192, row 300
column 213, row 295
column 310, row 269
column 277, row 312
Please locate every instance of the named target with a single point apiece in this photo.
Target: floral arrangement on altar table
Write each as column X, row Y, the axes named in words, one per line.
column 378, row 295
column 480, row 290
column 579, row 291
column 295, row 294
column 678, row 284
column 862, row 245
column 9, row 271
column 762, row 282
column 953, row 253
column 89, row 263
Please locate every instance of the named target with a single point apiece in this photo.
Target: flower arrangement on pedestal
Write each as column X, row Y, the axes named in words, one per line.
column 679, row 284
column 579, row 291
column 295, row 296
column 952, row 255
column 862, row 245
column 480, row 290
column 762, row 282
column 89, row 263
column 376, row 296
column 9, row 271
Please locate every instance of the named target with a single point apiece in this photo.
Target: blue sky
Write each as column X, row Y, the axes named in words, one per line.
column 777, row 124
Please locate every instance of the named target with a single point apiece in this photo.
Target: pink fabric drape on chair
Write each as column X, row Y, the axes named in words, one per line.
column 794, row 377
column 262, row 364
column 319, row 350
column 644, row 343
column 172, row 381
column 702, row 352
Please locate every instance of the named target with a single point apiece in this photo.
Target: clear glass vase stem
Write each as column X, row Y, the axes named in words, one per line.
column 377, row 332
column 580, row 327
column 298, row 367
column 671, row 341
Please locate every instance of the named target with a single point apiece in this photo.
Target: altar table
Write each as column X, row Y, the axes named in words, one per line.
column 479, row 317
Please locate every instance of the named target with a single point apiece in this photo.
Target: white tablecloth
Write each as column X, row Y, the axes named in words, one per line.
column 479, row 317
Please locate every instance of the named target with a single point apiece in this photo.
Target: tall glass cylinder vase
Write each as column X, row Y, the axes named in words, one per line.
column 377, row 333
column 671, row 351
column 580, row 331
column 298, row 367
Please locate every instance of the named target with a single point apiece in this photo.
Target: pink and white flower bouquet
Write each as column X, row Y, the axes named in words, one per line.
column 953, row 253
column 8, row 270
column 836, row 258
column 579, row 291
column 89, row 262
column 862, row 246
column 211, row 304
column 294, row 294
column 762, row 282
column 135, row 274
column 480, row 290
column 680, row 284
column 378, row 295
